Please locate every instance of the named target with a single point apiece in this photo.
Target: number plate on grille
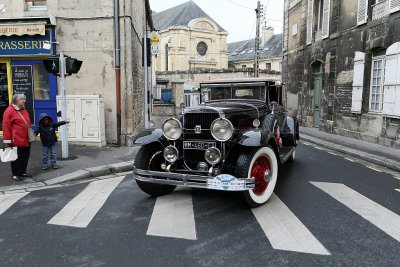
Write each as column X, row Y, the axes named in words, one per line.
column 197, row 145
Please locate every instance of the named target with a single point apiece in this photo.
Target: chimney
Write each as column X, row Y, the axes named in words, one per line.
column 266, row 33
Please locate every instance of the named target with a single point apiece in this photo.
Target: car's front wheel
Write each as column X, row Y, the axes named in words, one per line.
column 150, row 157
column 262, row 165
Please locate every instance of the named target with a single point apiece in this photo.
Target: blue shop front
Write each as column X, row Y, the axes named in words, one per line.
column 23, row 46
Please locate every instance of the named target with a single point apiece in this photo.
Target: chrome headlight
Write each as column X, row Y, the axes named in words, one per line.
column 212, row 155
column 170, row 154
column 172, row 129
column 221, row 129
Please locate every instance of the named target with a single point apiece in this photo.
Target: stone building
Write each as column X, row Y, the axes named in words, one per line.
column 189, row 39
column 193, row 48
column 111, row 51
column 242, row 53
column 341, row 66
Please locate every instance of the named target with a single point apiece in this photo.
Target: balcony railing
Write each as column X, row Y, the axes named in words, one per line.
column 380, row 10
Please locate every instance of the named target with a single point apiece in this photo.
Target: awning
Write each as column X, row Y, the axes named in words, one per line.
column 13, row 28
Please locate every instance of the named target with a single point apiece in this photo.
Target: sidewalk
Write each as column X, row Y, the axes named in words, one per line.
column 83, row 162
column 378, row 154
column 88, row 162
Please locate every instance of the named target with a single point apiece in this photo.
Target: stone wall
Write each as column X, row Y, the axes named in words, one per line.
column 336, row 54
column 85, row 30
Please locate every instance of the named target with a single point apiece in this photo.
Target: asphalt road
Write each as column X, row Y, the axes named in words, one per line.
column 328, row 210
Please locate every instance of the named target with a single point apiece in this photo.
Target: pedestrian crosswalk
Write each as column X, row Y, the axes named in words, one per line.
column 284, row 230
column 378, row 215
column 173, row 215
column 82, row 209
column 7, row 200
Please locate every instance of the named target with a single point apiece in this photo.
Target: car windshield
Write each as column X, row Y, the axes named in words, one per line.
column 236, row 92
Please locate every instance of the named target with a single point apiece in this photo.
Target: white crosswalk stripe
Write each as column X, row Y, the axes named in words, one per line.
column 378, row 215
column 397, row 190
column 81, row 210
column 173, row 216
column 7, row 200
column 284, row 230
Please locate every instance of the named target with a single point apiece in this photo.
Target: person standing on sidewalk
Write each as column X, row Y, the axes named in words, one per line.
column 15, row 133
column 48, row 137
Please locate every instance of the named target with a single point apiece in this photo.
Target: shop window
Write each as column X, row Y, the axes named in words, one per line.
column 268, row 66
column 4, row 101
column 41, row 82
column 37, row 4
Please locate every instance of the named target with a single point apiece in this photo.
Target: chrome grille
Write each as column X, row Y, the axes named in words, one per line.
column 202, row 119
column 191, row 120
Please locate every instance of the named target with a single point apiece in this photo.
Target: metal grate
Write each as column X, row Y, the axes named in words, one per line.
column 202, row 119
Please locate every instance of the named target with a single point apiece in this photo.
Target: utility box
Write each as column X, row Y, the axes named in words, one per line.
column 86, row 119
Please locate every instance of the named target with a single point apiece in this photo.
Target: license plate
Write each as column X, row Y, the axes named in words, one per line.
column 226, row 182
column 197, row 145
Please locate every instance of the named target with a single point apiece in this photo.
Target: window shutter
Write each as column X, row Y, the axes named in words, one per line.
column 326, row 18
column 358, row 82
column 394, row 5
column 309, row 21
column 362, row 13
column 391, row 93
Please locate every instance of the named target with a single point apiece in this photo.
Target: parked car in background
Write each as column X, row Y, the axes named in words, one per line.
column 233, row 141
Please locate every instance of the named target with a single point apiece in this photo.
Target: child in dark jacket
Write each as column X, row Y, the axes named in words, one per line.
column 47, row 131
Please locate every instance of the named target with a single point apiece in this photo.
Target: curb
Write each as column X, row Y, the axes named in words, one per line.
column 388, row 163
column 77, row 175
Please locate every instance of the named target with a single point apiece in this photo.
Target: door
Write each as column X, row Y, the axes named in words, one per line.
column 90, row 118
column 5, row 88
column 317, row 98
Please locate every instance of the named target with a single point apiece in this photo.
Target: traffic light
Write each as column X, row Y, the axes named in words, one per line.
column 52, row 65
column 72, row 65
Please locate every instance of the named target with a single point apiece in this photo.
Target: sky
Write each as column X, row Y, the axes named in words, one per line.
column 237, row 17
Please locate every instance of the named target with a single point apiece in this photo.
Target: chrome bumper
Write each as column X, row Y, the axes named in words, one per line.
column 188, row 180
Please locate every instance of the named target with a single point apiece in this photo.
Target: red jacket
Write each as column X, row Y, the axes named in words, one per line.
column 15, row 130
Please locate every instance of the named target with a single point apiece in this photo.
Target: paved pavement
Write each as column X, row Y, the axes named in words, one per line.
column 89, row 162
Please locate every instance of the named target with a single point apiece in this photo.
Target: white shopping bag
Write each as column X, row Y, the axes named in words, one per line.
column 9, row 154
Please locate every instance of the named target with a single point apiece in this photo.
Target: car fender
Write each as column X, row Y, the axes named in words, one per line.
column 149, row 136
column 288, row 125
column 249, row 138
column 289, row 130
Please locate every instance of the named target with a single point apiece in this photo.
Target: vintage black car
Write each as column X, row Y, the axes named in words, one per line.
column 233, row 141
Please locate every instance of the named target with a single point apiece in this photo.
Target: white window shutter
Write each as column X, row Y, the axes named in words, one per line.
column 358, row 82
column 310, row 21
column 362, row 13
column 391, row 93
column 326, row 18
column 394, row 5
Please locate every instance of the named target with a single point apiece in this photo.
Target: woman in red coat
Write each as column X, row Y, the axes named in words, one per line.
column 15, row 133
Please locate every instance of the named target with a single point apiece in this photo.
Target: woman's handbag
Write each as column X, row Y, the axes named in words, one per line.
column 9, row 154
column 31, row 133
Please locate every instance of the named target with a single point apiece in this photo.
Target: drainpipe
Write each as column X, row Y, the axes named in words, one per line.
column 117, row 69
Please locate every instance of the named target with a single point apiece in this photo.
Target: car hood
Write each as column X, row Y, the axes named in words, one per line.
column 240, row 113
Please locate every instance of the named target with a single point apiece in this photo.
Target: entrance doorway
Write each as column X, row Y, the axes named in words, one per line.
column 317, row 77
